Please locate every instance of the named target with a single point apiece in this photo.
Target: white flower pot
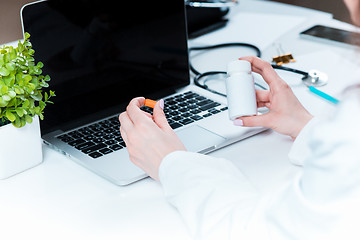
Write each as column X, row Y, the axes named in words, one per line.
column 20, row 148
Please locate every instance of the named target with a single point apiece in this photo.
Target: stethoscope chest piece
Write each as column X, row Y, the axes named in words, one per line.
column 315, row 78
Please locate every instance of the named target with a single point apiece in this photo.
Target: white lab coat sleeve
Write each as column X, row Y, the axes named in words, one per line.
column 217, row 202
column 323, row 201
column 300, row 150
column 214, row 198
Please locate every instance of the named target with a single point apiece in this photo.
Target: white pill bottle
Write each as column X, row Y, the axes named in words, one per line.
column 240, row 89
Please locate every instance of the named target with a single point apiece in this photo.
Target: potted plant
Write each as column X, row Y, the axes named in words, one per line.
column 22, row 103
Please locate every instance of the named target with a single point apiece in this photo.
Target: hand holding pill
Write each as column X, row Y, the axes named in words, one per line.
column 148, row 139
column 150, row 103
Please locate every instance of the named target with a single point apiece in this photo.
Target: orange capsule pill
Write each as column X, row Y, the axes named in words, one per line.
column 150, row 103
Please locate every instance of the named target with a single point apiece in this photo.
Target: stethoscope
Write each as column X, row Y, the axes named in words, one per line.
column 313, row 78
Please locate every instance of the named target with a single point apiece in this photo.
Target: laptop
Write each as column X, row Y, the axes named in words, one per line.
column 100, row 55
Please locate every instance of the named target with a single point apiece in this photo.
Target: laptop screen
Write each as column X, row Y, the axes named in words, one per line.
column 102, row 53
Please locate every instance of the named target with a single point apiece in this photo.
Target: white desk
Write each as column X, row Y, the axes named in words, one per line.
column 61, row 200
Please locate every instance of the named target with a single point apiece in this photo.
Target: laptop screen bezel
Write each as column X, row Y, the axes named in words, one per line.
column 121, row 106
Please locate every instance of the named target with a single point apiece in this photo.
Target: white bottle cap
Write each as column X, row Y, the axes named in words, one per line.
column 238, row 66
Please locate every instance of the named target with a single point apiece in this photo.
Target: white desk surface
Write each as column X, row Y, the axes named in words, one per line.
column 61, row 200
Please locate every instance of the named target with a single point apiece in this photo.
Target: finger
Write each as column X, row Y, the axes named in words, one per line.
column 262, row 95
column 262, row 104
column 264, row 69
column 159, row 115
column 134, row 112
column 125, row 125
column 148, row 114
column 124, row 135
column 256, row 121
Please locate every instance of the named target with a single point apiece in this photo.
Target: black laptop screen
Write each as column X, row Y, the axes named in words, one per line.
column 102, row 53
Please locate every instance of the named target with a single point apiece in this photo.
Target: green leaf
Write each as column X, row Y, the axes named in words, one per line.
column 10, row 116
column 19, row 112
column 41, row 116
column 12, row 54
column 4, row 89
column 42, row 105
column 44, row 84
column 9, row 80
column 18, row 90
column 19, row 76
column 27, row 44
column 23, row 122
column 28, row 119
column 20, row 46
column 6, row 98
column 3, row 103
column 30, row 59
column 27, row 78
column 26, row 103
column 4, row 71
column 17, row 122
column 37, row 96
column 40, row 65
column 12, row 94
column 12, row 102
column 27, row 35
column 10, row 66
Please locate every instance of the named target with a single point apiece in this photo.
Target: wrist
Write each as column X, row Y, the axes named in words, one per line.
column 302, row 123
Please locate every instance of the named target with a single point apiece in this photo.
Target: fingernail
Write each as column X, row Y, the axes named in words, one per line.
column 161, row 103
column 238, row 122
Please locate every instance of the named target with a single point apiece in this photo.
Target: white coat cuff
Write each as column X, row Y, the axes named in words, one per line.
column 300, row 149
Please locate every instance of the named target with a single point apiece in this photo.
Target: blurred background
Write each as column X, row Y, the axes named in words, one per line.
column 10, row 24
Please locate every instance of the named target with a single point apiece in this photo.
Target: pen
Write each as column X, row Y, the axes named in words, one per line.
column 323, row 95
column 150, row 103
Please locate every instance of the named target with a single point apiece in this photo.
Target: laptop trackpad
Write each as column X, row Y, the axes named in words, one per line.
column 198, row 139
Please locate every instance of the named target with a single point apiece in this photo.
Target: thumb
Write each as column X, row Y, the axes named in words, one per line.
column 159, row 115
column 256, row 121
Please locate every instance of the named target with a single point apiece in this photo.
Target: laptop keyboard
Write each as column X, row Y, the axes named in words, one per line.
column 104, row 137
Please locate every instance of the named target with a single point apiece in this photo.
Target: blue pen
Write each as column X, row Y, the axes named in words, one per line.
column 323, row 95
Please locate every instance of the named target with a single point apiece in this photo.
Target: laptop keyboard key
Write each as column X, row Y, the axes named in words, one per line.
column 205, row 102
column 84, row 145
column 196, row 117
column 186, row 121
column 98, row 140
column 116, row 147
column 66, row 138
column 108, row 137
column 214, row 111
column 208, row 106
column 110, row 142
column 76, row 142
column 196, row 111
column 94, row 148
column 89, row 138
column 105, row 150
column 175, row 125
column 95, row 154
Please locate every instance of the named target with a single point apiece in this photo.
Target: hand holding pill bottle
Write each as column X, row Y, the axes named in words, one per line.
column 240, row 89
